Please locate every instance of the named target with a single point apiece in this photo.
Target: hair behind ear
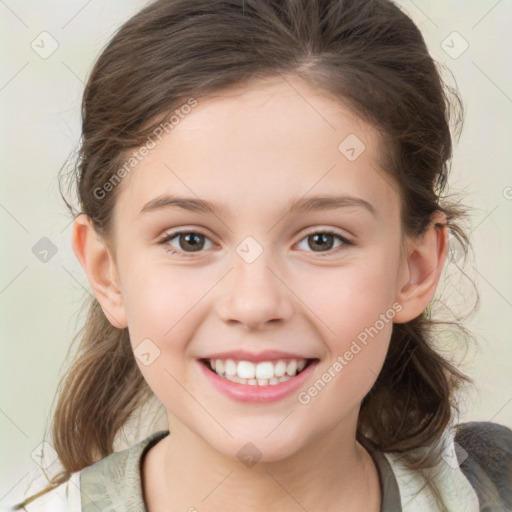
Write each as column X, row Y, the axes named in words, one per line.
column 412, row 400
column 99, row 392
column 96, row 396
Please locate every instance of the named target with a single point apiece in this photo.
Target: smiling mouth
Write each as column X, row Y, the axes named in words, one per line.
column 264, row 373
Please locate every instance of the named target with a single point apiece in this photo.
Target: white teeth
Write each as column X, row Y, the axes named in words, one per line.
column 291, row 369
column 262, row 374
column 234, row 378
column 230, row 367
column 257, row 382
column 246, row 370
column 265, row 370
column 280, row 369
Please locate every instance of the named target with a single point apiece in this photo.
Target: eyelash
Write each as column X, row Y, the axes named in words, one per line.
column 170, row 236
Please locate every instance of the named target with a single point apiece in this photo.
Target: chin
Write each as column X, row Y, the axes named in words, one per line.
column 252, row 446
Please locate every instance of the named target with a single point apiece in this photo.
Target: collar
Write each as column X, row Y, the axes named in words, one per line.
column 114, row 482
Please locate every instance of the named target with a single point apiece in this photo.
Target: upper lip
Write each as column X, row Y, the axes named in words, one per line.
column 266, row 355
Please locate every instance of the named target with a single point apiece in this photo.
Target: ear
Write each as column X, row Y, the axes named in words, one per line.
column 100, row 268
column 422, row 266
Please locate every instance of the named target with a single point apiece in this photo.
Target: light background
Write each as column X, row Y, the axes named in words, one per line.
column 40, row 102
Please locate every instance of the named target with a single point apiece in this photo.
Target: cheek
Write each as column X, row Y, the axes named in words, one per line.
column 153, row 293
column 162, row 309
column 349, row 299
column 355, row 315
column 160, row 303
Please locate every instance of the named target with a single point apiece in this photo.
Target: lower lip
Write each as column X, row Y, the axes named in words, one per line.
column 256, row 393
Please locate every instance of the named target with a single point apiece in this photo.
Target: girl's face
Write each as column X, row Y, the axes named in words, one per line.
column 250, row 274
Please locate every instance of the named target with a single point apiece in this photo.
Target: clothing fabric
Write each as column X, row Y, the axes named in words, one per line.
column 113, row 484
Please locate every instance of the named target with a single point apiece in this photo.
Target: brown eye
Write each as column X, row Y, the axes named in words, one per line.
column 324, row 242
column 321, row 241
column 191, row 241
column 187, row 242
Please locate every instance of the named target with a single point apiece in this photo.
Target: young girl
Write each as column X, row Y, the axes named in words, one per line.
column 263, row 227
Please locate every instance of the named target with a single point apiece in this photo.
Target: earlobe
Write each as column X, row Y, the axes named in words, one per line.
column 424, row 262
column 99, row 266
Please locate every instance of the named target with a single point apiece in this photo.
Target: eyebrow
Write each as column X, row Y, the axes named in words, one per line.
column 303, row 204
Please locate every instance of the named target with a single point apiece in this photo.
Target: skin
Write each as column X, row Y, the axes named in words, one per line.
column 252, row 149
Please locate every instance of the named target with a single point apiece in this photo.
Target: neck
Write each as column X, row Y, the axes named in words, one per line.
column 184, row 472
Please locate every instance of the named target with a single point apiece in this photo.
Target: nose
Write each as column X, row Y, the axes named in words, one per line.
column 254, row 295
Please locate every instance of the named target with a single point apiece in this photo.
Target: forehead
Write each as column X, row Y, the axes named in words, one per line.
column 263, row 144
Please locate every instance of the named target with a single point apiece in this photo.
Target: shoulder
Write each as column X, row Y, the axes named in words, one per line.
column 473, row 474
column 112, row 483
column 486, row 460
column 421, row 488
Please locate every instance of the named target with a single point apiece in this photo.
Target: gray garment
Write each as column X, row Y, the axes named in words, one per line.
column 113, row 484
column 482, row 480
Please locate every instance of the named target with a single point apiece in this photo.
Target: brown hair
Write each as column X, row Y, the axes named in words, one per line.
column 371, row 56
